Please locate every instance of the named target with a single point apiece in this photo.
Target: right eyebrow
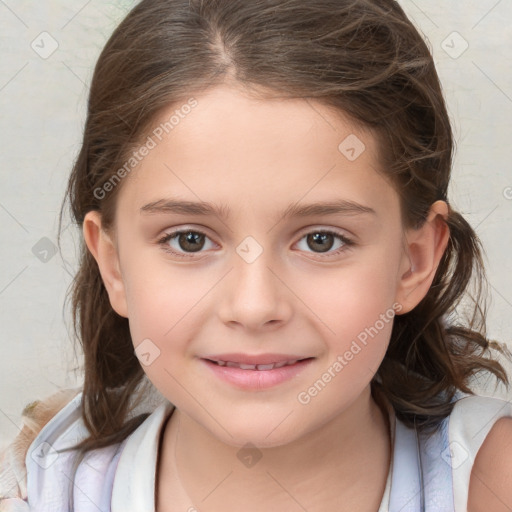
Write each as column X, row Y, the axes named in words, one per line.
column 185, row 208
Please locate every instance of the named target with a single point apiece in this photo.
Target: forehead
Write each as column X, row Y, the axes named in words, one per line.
column 258, row 154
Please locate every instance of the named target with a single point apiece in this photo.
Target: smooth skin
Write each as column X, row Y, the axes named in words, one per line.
column 257, row 157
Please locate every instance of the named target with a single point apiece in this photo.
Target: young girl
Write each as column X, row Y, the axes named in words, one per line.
column 262, row 189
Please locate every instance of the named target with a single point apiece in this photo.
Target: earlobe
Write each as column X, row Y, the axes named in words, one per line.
column 105, row 253
column 425, row 247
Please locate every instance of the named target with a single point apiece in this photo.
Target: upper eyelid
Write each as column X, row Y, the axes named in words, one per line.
column 337, row 231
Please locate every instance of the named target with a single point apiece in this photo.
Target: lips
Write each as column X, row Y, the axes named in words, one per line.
column 256, row 377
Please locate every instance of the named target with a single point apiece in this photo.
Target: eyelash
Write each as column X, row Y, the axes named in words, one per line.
column 347, row 242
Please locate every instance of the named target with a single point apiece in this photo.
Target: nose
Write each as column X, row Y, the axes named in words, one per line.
column 254, row 294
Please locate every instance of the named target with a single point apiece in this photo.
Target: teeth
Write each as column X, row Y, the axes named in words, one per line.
column 260, row 367
column 264, row 366
column 246, row 366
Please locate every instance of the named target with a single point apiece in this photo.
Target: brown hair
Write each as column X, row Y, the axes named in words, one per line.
column 364, row 58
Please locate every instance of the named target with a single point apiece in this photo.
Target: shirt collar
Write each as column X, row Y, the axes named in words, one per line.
column 134, row 482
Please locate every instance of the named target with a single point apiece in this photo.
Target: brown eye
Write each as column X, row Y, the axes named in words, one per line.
column 320, row 242
column 324, row 241
column 184, row 243
column 190, row 241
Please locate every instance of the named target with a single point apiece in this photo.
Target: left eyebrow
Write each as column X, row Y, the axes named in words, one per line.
column 340, row 206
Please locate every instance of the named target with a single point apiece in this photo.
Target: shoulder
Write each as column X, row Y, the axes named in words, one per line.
column 53, row 465
column 480, row 431
column 59, row 473
column 35, row 416
column 490, row 486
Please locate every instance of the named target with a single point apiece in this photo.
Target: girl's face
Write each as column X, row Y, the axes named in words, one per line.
column 255, row 184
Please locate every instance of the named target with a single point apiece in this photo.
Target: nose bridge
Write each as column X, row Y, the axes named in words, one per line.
column 253, row 294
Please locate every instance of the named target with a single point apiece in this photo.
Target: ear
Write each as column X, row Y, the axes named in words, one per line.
column 105, row 253
column 424, row 248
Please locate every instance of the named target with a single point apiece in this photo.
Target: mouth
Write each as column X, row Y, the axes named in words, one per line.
column 256, row 376
column 257, row 367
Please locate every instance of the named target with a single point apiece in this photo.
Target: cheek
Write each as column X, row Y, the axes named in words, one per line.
column 158, row 296
column 353, row 298
column 164, row 307
column 160, row 328
column 356, row 323
column 354, row 311
column 363, row 329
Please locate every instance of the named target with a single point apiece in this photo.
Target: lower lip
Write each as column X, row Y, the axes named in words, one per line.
column 257, row 379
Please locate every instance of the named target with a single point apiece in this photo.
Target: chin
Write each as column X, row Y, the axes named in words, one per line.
column 266, row 434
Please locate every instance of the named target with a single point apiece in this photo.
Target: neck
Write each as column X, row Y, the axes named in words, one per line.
column 345, row 459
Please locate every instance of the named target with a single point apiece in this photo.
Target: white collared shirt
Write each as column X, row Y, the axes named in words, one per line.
column 426, row 474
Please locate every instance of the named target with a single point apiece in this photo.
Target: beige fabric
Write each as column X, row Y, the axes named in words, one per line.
column 13, row 474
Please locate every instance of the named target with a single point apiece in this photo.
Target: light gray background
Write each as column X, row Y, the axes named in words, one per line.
column 42, row 105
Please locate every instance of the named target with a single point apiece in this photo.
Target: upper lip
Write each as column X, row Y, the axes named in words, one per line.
column 255, row 359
